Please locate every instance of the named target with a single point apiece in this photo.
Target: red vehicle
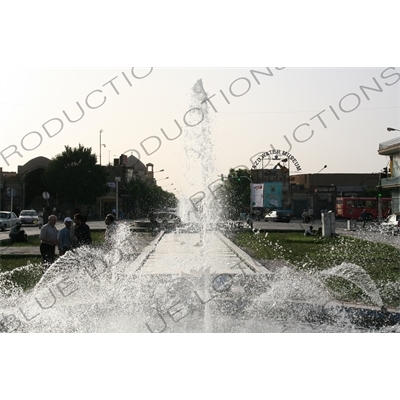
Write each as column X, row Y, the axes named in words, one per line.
column 352, row 207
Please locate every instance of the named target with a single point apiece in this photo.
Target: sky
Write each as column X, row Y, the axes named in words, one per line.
column 322, row 116
column 55, row 54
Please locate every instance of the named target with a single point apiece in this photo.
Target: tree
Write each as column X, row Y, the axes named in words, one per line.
column 73, row 176
column 235, row 193
column 145, row 196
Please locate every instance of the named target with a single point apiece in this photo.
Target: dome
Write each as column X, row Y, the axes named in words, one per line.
column 38, row 162
column 135, row 163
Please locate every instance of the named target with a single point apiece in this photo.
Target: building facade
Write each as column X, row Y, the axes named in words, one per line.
column 278, row 189
column 391, row 180
column 24, row 189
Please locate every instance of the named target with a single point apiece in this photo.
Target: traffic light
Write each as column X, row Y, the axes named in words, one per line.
column 239, row 178
column 385, row 173
column 379, row 191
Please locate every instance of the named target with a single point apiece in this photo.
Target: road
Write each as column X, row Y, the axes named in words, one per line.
column 34, row 230
column 294, row 225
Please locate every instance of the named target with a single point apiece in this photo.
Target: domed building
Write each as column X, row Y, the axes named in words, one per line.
column 27, row 187
column 124, row 170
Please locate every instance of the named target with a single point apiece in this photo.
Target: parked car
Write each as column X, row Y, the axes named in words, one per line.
column 392, row 224
column 278, row 216
column 7, row 220
column 29, row 217
column 167, row 218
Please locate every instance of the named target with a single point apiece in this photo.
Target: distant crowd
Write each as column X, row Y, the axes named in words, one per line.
column 75, row 233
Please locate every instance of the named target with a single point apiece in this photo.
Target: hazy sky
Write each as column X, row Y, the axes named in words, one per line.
column 323, row 116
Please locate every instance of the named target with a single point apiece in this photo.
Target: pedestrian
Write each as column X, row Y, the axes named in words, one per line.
column 73, row 227
column 64, row 237
column 311, row 214
column 82, row 231
column 48, row 238
column 18, row 235
column 153, row 219
column 305, row 216
column 309, row 231
column 45, row 215
column 249, row 221
column 111, row 227
column 364, row 217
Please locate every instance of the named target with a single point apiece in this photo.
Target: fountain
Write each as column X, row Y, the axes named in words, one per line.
column 176, row 285
column 192, row 279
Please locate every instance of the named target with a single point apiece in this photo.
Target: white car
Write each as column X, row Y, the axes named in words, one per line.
column 278, row 216
column 29, row 217
column 8, row 220
column 392, row 224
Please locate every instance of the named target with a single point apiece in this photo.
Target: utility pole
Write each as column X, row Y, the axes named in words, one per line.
column 380, row 198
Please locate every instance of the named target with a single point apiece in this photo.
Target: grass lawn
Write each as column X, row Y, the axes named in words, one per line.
column 26, row 270
column 314, row 254
column 33, row 240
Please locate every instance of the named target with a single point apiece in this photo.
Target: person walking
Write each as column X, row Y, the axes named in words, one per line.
column 364, row 217
column 111, row 227
column 311, row 214
column 64, row 237
column 82, row 231
column 305, row 216
column 49, row 239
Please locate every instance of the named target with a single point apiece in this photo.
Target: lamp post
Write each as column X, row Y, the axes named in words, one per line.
column 11, row 192
column 101, row 144
column 154, row 181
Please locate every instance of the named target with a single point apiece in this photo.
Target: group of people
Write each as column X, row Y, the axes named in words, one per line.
column 69, row 237
column 76, row 233
column 310, row 231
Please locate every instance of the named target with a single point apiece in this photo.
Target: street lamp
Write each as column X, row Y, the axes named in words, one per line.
column 164, row 178
column 161, row 170
column 166, row 185
column 101, row 144
column 322, row 169
column 393, row 129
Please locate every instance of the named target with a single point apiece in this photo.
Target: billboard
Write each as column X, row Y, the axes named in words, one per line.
column 273, row 194
column 257, row 195
column 266, row 195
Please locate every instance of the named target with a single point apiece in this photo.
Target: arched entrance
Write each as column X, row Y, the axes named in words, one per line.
column 33, row 188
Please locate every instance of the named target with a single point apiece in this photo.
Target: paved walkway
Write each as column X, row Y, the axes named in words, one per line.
column 20, row 251
column 193, row 253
